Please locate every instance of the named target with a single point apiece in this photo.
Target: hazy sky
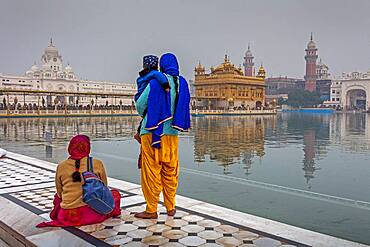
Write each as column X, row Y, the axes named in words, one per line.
column 105, row 40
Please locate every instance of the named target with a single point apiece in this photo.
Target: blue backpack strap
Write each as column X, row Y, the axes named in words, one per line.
column 90, row 164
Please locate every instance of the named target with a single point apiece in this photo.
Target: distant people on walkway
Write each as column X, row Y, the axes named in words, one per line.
column 159, row 156
column 69, row 207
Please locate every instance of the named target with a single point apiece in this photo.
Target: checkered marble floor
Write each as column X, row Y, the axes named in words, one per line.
column 186, row 228
column 15, row 173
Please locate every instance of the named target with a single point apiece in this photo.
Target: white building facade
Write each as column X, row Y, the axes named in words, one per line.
column 52, row 76
column 351, row 91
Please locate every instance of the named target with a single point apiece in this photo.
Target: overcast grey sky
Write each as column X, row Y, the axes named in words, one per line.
column 105, row 40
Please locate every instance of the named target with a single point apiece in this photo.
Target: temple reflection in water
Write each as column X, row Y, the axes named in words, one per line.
column 230, row 140
column 227, row 141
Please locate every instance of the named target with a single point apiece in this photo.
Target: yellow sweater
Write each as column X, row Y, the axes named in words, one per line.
column 71, row 192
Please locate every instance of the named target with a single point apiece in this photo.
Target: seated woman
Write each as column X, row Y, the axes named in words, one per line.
column 69, row 208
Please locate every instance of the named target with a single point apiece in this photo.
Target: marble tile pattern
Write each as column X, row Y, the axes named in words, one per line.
column 39, row 198
column 186, row 228
column 14, row 173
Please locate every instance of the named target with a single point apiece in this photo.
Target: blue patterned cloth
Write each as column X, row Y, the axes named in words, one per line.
column 150, row 61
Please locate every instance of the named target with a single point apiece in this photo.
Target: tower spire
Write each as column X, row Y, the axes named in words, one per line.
column 248, row 62
column 51, row 42
column 311, row 59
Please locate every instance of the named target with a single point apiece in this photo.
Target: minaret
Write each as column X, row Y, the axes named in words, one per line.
column 311, row 57
column 248, row 62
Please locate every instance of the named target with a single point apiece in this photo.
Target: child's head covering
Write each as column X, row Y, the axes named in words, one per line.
column 150, row 61
column 79, row 147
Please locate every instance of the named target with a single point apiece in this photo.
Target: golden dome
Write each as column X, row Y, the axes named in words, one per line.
column 227, row 67
column 261, row 72
column 199, row 69
column 199, row 66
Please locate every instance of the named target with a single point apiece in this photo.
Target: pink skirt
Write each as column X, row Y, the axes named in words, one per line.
column 79, row 216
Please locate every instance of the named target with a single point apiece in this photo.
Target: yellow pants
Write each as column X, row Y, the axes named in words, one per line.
column 159, row 171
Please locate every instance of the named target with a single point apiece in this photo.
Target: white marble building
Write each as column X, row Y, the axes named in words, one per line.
column 322, row 71
column 53, row 76
column 350, row 91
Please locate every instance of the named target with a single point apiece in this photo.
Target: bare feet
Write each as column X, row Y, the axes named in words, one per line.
column 171, row 212
column 146, row 215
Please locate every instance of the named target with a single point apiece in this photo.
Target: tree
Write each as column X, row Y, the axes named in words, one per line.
column 303, row 98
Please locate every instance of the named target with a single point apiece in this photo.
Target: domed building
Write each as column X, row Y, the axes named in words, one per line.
column 227, row 87
column 53, row 77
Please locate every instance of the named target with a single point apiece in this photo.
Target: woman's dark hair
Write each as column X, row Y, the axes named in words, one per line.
column 76, row 176
column 175, row 80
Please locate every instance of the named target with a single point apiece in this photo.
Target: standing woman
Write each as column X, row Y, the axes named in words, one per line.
column 160, row 165
column 69, row 208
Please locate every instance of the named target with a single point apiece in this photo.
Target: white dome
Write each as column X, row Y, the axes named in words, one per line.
column 248, row 53
column 311, row 45
column 34, row 68
column 68, row 69
column 29, row 72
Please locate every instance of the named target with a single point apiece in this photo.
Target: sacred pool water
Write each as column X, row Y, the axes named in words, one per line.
column 308, row 170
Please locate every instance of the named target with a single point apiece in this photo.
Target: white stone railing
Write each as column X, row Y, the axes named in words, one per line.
column 66, row 112
column 234, row 112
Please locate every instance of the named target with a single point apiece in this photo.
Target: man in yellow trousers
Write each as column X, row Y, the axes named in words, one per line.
column 159, row 141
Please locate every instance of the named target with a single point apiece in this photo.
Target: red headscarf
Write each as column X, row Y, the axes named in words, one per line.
column 79, row 147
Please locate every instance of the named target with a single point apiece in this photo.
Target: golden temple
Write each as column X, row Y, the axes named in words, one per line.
column 227, row 87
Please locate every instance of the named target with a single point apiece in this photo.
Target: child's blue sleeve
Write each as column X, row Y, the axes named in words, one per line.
column 142, row 102
column 160, row 77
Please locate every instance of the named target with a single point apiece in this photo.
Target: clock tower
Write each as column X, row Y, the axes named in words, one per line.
column 311, row 58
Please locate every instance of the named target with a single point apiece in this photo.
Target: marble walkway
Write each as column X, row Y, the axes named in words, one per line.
column 26, row 193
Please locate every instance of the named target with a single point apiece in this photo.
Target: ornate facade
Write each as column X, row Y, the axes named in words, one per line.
column 350, row 91
column 53, row 76
column 227, row 87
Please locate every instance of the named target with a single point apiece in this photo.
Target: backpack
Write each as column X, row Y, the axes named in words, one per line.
column 94, row 192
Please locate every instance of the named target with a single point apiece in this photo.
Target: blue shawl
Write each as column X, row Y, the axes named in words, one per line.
column 181, row 117
column 158, row 111
column 159, row 102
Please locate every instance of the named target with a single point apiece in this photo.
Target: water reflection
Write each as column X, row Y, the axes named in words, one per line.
column 61, row 129
column 224, row 141
column 327, row 154
column 230, row 140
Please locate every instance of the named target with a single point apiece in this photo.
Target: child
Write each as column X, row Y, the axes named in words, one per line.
column 149, row 72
